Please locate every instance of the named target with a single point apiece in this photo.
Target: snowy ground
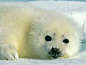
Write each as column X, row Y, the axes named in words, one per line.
column 45, row 62
column 76, row 10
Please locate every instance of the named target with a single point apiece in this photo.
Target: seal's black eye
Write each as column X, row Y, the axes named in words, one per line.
column 66, row 41
column 48, row 38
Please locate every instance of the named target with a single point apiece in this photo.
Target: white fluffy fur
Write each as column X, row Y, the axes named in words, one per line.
column 25, row 27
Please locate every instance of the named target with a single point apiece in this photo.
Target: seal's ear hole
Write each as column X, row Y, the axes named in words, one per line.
column 48, row 38
column 66, row 41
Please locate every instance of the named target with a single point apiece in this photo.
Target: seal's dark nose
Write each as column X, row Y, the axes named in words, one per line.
column 54, row 52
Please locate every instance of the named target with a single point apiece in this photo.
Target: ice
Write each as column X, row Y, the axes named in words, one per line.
column 64, row 6
column 45, row 62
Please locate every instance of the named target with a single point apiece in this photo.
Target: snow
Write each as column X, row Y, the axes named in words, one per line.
column 40, row 0
column 64, row 6
column 72, row 9
column 45, row 62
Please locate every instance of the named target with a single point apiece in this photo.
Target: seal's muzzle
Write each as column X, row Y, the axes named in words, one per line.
column 55, row 53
